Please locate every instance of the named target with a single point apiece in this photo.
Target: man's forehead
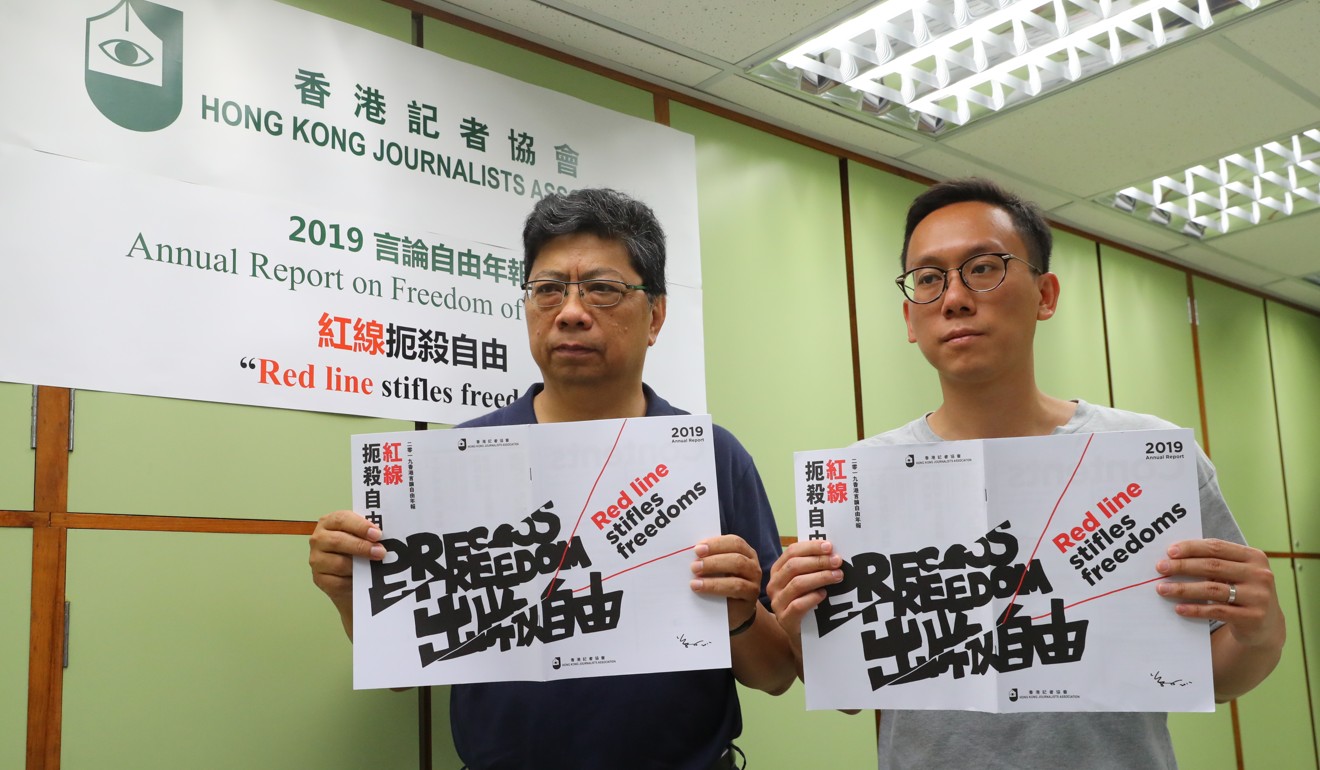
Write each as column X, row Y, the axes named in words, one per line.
column 581, row 253
column 963, row 230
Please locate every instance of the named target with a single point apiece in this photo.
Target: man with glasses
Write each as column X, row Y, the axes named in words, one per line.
column 976, row 279
column 595, row 301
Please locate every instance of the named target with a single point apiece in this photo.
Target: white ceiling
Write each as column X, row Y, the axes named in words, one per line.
column 1245, row 82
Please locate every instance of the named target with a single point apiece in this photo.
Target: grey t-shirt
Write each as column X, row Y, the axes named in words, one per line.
column 944, row 740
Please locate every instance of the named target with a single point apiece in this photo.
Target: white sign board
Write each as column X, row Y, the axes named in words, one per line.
column 238, row 201
column 1004, row 575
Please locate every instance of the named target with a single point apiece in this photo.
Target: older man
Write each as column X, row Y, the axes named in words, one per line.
column 595, row 301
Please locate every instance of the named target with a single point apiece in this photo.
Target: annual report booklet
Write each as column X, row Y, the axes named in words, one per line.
column 536, row 552
column 1004, row 575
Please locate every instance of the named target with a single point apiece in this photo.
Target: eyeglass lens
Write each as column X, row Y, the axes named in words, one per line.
column 983, row 272
column 547, row 294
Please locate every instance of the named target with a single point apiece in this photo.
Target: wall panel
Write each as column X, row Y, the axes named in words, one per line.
column 529, row 67
column 1204, row 741
column 167, row 457
column 1295, row 349
column 1307, row 631
column 1274, row 718
column 897, row 383
column 16, row 455
column 778, row 732
column 1070, row 347
column 215, row 651
column 15, row 605
column 1239, row 404
column 778, row 349
column 1150, row 338
column 443, row 754
column 778, row 358
column 375, row 15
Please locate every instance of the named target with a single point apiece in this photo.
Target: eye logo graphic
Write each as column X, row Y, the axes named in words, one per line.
column 556, row 664
column 462, row 444
column 1012, row 695
column 909, row 461
column 134, row 64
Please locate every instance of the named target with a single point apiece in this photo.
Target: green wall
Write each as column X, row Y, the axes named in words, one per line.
column 897, row 385
column 215, row 650
column 167, row 457
column 1294, row 340
column 529, row 67
column 15, row 601
column 1235, row 361
column 1274, row 720
column 1239, row 384
column 1308, row 630
column 1151, row 363
column 780, row 282
column 1071, row 360
column 16, row 476
column 16, row 455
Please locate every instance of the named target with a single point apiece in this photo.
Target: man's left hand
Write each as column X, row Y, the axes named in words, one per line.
column 1225, row 570
column 727, row 566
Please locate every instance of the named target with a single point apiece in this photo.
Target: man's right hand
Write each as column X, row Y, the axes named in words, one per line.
column 338, row 537
column 797, row 584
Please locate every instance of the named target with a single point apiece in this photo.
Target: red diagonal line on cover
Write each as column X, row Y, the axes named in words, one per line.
column 1100, row 596
column 1045, row 529
column 633, row 567
column 585, row 505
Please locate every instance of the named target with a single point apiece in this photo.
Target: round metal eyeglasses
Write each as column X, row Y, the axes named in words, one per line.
column 981, row 273
column 596, row 292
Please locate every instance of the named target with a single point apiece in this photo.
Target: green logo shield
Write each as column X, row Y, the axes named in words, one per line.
column 134, row 70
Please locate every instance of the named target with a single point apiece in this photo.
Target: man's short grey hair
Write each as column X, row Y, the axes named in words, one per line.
column 604, row 213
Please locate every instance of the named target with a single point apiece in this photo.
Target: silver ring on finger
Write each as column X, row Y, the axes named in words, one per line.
column 1232, row 594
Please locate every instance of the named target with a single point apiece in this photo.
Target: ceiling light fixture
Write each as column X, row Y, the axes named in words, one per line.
column 934, row 65
column 1274, row 180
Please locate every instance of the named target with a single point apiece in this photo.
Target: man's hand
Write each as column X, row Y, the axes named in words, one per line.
column 727, row 566
column 338, row 537
column 798, row 580
column 1246, row 650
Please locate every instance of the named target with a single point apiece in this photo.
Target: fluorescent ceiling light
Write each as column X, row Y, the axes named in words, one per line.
column 1277, row 179
column 932, row 65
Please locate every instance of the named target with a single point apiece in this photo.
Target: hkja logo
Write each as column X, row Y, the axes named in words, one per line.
column 910, row 461
column 462, row 444
column 134, row 64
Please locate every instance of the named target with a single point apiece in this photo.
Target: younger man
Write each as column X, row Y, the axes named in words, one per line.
column 976, row 278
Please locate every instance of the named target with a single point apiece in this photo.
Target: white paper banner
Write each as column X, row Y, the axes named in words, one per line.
column 243, row 202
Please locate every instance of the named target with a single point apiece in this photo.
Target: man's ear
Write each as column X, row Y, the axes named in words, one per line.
column 1049, row 296
column 658, row 309
column 907, row 319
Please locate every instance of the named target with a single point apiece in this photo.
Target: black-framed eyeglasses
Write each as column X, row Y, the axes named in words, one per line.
column 595, row 292
column 981, row 272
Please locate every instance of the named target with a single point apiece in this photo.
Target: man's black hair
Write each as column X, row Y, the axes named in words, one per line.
column 1027, row 217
